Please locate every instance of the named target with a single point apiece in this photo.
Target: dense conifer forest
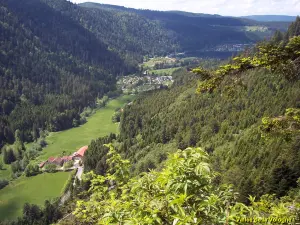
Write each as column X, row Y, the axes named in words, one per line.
column 218, row 146
column 225, row 117
column 57, row 57
column 244, row 115
column 195, row 32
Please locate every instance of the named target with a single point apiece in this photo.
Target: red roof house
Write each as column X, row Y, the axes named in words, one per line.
column 61, row 160
column 51, row 159
column 80, row 153
column 42, row 164
column 66, row 158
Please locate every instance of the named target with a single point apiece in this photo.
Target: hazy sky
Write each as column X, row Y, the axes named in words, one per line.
column 222, row 7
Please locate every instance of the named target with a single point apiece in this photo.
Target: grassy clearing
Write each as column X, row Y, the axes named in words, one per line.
column 99, row 124
column 5, row 173
column 151, row 63
column 168, row 71
column 34, row 190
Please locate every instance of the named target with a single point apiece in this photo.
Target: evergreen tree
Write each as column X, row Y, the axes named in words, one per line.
column 8, row 156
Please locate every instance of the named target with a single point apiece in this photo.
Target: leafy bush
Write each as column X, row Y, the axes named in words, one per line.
column 1, row 165
column 183, row 192
column 50, row 168
column 16, row 167
column 3, row 183
column 69, row 164
column 31, row 170
column 42, row 142
column 69, row 182
column 102, row 102
column 116, row 117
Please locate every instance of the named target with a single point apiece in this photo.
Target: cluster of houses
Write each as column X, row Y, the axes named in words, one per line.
column 59, row 161
column 135, row 81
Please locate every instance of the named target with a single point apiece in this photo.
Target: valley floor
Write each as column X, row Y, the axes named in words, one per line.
column 36, row 190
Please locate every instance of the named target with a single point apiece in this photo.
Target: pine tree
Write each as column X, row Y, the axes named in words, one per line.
column 278, row 37
column 5, row 156
column 10, row 156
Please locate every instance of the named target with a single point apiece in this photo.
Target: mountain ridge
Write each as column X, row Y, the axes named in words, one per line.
column 271, row 18
column 196, row 32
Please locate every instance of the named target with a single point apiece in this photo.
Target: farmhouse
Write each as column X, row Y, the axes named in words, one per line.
column 80, row 153
column 59, row 161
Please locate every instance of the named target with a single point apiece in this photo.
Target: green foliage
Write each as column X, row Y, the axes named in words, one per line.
column 183, row 192
column 69, row 183
column 116, row 117
column 76, row 64
column 95, row 158
column 102, row 102
column 69, row 164
column 32, row 169
column 8, row 155
column 3, row 183
column 228, row 127
column 287, row 125
column 50, row 168
column 279, row 58
column 16, row 166
column 204, row 74
column 34, row 214
column 98, row 125
column 293, row 29
column 186, row 29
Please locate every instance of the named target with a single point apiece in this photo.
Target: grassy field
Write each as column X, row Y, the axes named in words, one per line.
column 160, row 72
column 151, row 63
column 98, row 125
column 34, row 190
column 5, row 173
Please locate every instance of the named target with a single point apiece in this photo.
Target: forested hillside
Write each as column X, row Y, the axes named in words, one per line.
column 244, row 114
column 196, row 32
column 56, row 58
column 129, row 34
column 219, row 144
column 51, row 68
column 271, row 18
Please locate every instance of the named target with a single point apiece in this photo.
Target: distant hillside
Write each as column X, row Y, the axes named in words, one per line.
column 50, row 69
column 123, row 8
column 226, row 114
column 269, row 18
column 196, row 32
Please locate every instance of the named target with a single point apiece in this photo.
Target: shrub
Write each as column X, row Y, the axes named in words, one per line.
column 42, row 142
column 1, row 165
column 69, row 182
column 3, row 183
column 50, row 168
column 68, row 164
column 116, row 117
column 31, row 170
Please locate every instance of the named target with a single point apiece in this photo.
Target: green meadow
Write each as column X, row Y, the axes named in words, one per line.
column 99, row 124
column 160, row 72
column 36, row 190
column 5, row 173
